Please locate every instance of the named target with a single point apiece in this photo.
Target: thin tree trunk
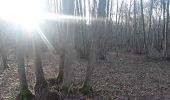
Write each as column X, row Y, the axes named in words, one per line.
column 129, row 28
column 144, row 32
column 134, row 28
column 116, row 31
column 4, row 58
column 61, row 52
column 166, row 54
column 150, row 18
column 61, row 65
column 3, row 52
column 163, row 30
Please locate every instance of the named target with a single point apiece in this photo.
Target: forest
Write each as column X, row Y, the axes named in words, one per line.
column 84, row 50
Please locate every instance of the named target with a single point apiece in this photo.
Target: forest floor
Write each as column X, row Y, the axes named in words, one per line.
column 123, row 77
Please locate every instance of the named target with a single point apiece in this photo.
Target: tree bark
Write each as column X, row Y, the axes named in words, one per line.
column 61, row 65
column 144, row 32
column 68, row 9
column 69, row 56
column 38, row 66
column 38, row 62
column 134, row 28
column 41, row 87
column 166, row 49
column 163, row 28
column 150, row 18
column 3, row 52
column 4, row 57
column 20, row 61
column 92, row 57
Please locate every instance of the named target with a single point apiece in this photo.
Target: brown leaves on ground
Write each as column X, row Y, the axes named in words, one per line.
column 124, row 77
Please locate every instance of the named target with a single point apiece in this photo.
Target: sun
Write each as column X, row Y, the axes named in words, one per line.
column 28, row 13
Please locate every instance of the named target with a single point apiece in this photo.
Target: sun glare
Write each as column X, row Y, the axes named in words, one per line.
column 25, row 12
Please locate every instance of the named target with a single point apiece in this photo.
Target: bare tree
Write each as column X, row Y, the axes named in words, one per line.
column 92, row 61
column 38, row 62
column 144, row 32
column 150, row 22
column 134, row 27
column 93, row 49
column 41, row 87
column 3, row 47
column 24, row 91
column 166, row 34
column 164, row 27
column 20, row 61
column 68, row 9
column 3, row 52
column 101, row 14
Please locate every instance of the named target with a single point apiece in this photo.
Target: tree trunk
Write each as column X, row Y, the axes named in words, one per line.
column 3, row 52
column 20, row 61
column 102, row 13
column 144, row 32
column 61, row 66
column 135, row 29
column 150, row 18
column 38, row 63
column 41, row 87
column 163, row 28
column 92, row 57
column 69, row 56
column 68, row 9
column 166, row 50
column 4, row 58
column 25, row 93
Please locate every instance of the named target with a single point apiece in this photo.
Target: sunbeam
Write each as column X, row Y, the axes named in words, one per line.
column 59, row 17
column 46, row 41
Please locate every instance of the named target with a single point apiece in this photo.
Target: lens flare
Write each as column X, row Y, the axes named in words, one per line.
column 25, row 12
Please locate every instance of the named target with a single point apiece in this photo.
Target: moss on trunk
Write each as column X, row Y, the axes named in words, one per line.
column 25, row 94
column 41, row 89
